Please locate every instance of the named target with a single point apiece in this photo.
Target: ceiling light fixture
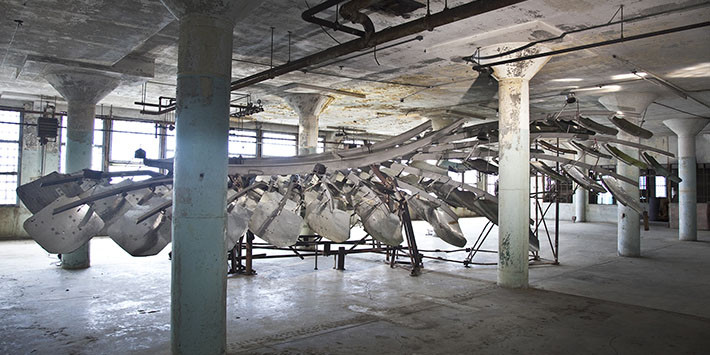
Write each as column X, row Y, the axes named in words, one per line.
column 566, row 80
column 632, row 75
column 601, row 88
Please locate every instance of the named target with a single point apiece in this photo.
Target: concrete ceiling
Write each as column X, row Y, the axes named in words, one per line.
column 404, row 86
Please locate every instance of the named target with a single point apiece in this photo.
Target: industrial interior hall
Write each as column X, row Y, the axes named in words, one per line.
column 354, row 177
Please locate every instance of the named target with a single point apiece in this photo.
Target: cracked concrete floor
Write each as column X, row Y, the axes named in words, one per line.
column 593, row 303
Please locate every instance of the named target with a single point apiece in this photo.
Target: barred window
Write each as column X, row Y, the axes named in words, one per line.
column 661, row 187
column 242, row 142
column 278, row 144
column 9, row 156
column 126, row 138
column 320, row 148
column 96, row 151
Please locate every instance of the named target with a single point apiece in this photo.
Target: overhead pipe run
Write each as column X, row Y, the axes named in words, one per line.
column 310, row 16
column 483, row 67
column 621, row 22
column 659, row 80
column 351, row 11
column 426, row 23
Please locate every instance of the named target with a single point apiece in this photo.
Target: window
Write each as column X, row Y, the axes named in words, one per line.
column 9, row 156
column 469, row 176
column 126, row 138
column 605, row 199
column 242, row 142
column 352, row 143
column 97, row 150
column 455, row 176
column 170, row 145
column 661, row 187
column 643, row 188
column 492, row 184
column 278, row 144
column 320, row 148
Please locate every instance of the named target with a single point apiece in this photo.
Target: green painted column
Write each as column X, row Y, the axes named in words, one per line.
column 198, row 284
column 82, row 89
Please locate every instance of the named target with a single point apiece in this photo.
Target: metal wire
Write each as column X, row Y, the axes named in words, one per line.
column 12, row 39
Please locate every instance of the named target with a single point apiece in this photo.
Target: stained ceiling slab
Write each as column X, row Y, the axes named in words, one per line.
column 403, row 85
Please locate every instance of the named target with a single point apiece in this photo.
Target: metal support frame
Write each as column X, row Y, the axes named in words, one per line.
column 478, row 244
column 540, row 214
column 412, row 250
column 243, row 251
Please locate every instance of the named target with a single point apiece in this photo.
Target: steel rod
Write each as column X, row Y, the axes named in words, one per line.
column 594, row 45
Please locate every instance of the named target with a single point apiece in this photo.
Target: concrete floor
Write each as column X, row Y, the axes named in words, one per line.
column 594, row 302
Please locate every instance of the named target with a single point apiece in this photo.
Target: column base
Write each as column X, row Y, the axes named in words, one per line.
column 78, row 259
column 688, row 238
column 512, row 279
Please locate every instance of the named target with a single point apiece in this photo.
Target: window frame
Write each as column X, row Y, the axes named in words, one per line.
column 62, row 144
column 18, row 142
column 265, row 140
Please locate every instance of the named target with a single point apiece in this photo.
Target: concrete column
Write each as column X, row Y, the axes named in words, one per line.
column 580, row 204
column 308, row 106
column 329, row 139
column 82, row 89
column 629, row 221
column 514, row 169
column 687, row 129
column 198, row 284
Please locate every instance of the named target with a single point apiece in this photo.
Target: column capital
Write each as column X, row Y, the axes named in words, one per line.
column 81, row 85
column 632, row 102
column 686, row 127
column 525, row 69
column 307, row 104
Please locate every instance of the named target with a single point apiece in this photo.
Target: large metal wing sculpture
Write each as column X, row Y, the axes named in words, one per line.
column 333, row 191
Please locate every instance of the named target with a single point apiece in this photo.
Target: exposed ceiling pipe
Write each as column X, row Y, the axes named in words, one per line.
column 310, row 16
column 363, row 53
column 351, row 11
column 583, row 29
column 428, row 22
column 480, row 67
column 658, row 80
column 335, row 75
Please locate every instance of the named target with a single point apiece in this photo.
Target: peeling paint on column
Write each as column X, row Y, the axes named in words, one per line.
column 504, row 257
column 309, row 107
column 514, row 145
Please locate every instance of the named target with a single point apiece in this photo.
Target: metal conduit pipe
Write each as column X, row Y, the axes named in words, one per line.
column 351, row 11
column 479, row 67
column 583, row 29
column 310, row 16
column 429, row 22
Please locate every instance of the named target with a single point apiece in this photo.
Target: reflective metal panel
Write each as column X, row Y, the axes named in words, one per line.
column 66, row 231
